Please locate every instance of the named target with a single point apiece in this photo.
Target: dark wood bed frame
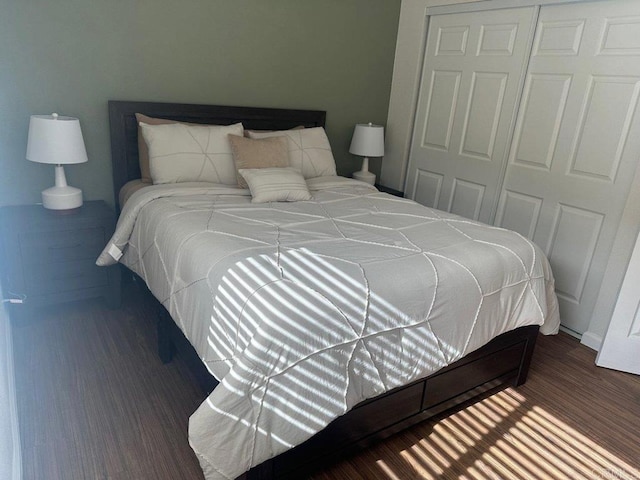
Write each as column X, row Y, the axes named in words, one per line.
column 501, row 363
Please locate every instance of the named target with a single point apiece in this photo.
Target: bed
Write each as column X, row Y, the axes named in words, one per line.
column 376, row 357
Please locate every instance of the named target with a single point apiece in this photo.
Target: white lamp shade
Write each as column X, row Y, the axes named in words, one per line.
column 368, row 140
column 55, row 139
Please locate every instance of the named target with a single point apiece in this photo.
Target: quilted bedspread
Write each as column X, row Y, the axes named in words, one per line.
column 302, row 310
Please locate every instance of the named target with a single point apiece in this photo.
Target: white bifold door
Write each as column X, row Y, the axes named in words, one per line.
column 472, row 78
column 576, row 144
column 561, row 170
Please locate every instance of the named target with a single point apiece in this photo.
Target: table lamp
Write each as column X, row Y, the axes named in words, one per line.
column 57, row 140
column 367, row 141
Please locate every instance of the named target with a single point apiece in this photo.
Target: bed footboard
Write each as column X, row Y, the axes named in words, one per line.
column 501, row 363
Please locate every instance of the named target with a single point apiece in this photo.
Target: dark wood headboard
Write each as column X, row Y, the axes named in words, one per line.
column 124, row 128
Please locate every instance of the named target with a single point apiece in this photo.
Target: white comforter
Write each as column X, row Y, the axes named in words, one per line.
column 302, row 310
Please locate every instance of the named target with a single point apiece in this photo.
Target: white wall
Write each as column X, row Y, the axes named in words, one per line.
column 402, row 104
column 10, row 467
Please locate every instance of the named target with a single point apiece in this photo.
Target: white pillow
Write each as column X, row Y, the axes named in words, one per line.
column 275, row 184
column 191, row 153
column 309, row 150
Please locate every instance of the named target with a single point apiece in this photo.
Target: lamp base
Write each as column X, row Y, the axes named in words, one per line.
column 363, row 176
column 62, row 198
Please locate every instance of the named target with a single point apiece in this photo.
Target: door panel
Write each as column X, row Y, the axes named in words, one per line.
column 576, row 144
column 452, row 40
column 621, row 36
column 427, row 187
column 542, row 108
column 472, row 76
column 466, row 198
column 571, row 259
column 611, row 101
column 482, row 115
column 497, row 39
column 441, row 107
column 558, row 38
column 521, row 212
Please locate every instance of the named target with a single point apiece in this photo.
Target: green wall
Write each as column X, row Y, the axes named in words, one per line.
column 72, row 56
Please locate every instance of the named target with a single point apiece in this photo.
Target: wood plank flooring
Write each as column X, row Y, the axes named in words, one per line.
column 95, row 402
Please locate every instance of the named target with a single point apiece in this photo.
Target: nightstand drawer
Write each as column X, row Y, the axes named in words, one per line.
column 72, row 275
column 61, row 246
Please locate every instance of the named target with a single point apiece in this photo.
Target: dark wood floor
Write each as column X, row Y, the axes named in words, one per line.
column 96, row 403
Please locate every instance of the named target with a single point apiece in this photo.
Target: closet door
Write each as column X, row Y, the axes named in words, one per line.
column 472, row 76
column 576, row 144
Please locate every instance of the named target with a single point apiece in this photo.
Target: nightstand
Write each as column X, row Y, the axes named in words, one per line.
column 50, row 258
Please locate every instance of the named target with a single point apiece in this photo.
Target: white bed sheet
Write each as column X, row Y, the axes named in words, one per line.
column 302, row 310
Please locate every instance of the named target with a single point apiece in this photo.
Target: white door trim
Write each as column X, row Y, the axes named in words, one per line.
column 480, row 5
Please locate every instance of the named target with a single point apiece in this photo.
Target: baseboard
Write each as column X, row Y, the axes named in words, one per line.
column 591, row 340
column 588, row 339
column 568, row 331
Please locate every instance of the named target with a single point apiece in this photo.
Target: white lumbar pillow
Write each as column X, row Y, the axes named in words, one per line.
column 275, row 184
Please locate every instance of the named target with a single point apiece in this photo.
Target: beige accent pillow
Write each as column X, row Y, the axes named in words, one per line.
column 309, row 150
column 143, row 150
column 191, row 153
column 275, row 184
column 258, row 153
